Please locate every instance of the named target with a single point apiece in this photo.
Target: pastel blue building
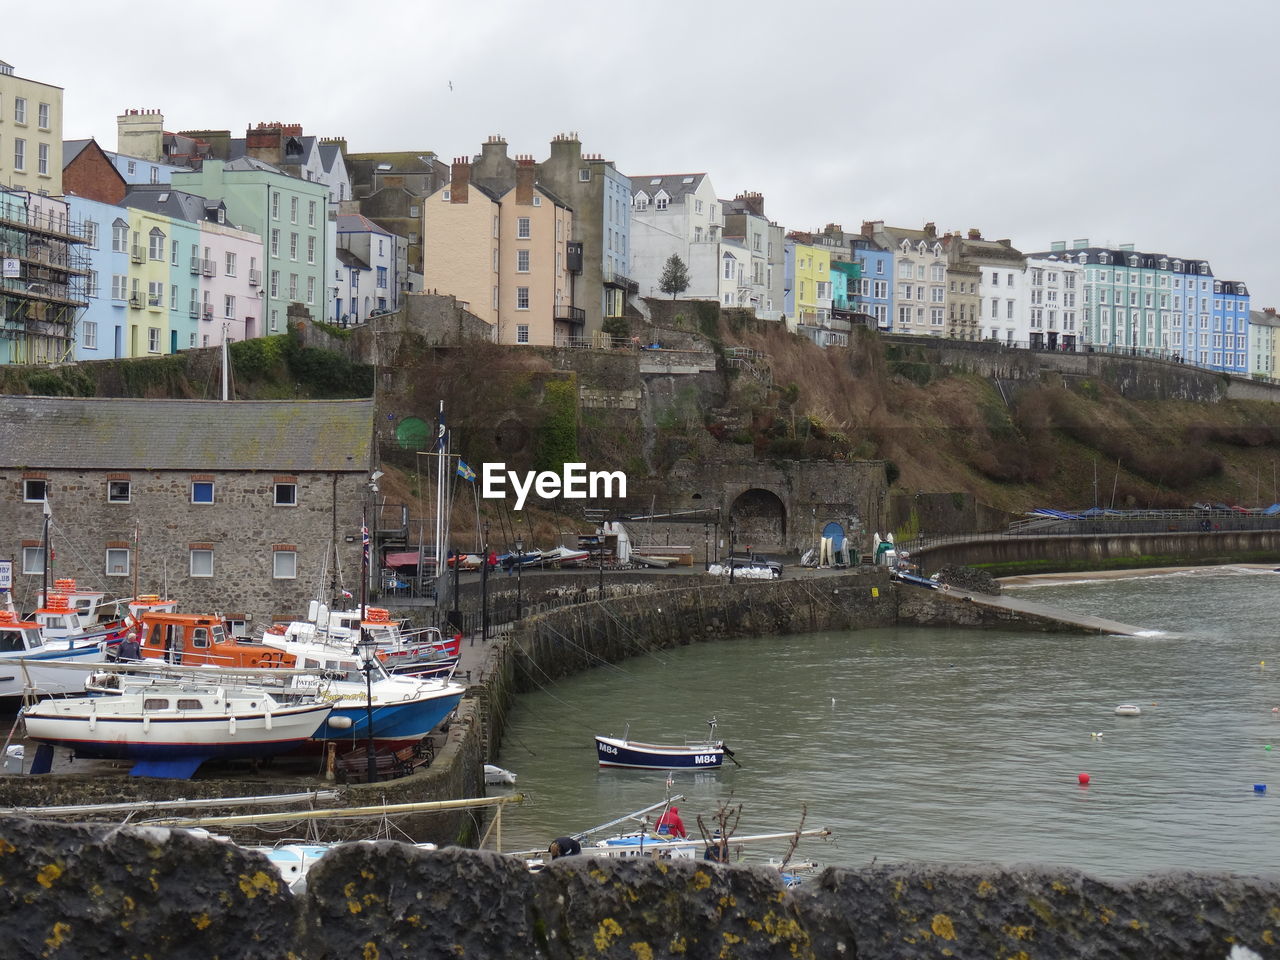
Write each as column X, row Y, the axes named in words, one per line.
column 873, row 295
column 1229, row 348
column 100, row 328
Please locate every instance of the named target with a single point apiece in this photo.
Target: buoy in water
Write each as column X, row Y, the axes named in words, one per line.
column 1084, row 779
column 1259, row 788
column 1096, row 736
column 1128, row 710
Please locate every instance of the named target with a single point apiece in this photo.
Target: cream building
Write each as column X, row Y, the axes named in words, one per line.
column 505, row 253
column 30, row 133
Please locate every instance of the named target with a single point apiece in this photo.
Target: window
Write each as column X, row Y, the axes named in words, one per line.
column 293, row 209
column 119, row 287
column 201, row 562
column 42, row 159
column 284, row 565
column 311, row 250
column 311, row 213
column 275, row 283
column 293, row 246
column 522, row 333
column 231, row 264
column 173, row 297
column 202, row 491
column 33, row 560
column 34, row 491
column 117, row 561
column 522, row 228
column 275, row 241
column 119, row 491
column 311, row 289
column 153, row 339
column 42, row 116
column 584, row 174
column 293, row 286
column 537, row 201
column 228, row 307
column 155, row 293
column 19, row 154
column 286, row 495
column 19, row 109
column 522, row 298
column 382, row 277
column 275, row 206
column 155, row 244
column 89, row 335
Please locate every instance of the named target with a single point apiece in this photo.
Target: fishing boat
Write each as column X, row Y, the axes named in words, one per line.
column 423, row 651
column 495, row 776
column 170, row 730
column 27, row 656
column 70, row 613
column 294, row 860
column 625, row 752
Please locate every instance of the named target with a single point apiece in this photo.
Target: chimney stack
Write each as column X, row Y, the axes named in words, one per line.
column 526, row 173
column 931, row 229
column 975, row 233
column 460, row 180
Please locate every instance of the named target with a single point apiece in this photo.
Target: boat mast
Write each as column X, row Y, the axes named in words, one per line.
column 44, row 551
column 364, row 560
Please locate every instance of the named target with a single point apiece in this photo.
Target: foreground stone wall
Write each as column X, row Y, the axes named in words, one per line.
column 77, row 891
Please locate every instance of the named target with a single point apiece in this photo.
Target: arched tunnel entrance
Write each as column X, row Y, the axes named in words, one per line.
column 760, row 521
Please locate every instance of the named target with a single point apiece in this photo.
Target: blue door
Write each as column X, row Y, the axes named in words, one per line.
column 836, row 532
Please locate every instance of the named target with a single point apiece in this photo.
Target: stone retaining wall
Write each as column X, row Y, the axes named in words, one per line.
column 76, row 891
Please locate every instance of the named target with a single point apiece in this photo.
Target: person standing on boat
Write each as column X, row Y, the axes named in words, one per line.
column 670, row 824
column 564, row 847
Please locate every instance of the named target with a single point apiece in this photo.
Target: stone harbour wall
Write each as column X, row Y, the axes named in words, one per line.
column 129, row 892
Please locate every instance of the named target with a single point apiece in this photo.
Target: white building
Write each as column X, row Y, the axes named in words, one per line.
column 680, row 214
column 1055, row 303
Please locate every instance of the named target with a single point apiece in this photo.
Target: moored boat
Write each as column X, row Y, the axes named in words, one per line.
column 625, row 752
column 169, row 730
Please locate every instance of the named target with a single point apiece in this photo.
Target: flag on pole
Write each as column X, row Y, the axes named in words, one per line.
column 465, row 472
column 364, row 539
column 440, row 430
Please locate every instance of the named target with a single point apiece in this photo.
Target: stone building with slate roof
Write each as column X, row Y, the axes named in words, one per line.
column 221, row 506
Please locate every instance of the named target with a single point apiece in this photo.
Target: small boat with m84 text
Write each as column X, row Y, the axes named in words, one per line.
column 700, row 755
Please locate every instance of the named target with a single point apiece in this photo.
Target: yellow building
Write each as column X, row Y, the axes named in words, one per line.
column 30, row 133
column 808, row 301
column 504, row 252
column 148, row 314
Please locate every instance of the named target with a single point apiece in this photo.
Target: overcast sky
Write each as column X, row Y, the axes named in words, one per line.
column 1146, row 122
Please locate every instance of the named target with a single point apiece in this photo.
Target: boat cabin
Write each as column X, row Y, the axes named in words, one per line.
column 91, row 605
column 58, row 620
column 193, row 639
column 17, row 636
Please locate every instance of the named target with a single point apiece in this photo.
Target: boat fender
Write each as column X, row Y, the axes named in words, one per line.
column 231, row 726
column 146, row 724
column 266, row 718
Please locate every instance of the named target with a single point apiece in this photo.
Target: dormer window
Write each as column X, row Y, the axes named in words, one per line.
column 1104, row 258
column 906, row 246
column 641, row 201
column 1133, row 261
column 1204, row 268
column 1082, row 258
column 1164, row 263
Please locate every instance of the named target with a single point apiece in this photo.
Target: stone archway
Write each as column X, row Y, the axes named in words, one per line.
column 760, row 521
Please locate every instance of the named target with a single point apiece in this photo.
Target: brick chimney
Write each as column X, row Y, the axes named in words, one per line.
column 460, row 180
column 265, row 142
column 567, row 148
column 526, row 174
column 752, row 201
column 931, row 229
column 1269, row 311
column 975, row 233
column 872, row 227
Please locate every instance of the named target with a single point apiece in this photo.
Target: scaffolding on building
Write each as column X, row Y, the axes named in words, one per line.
column 44, row 279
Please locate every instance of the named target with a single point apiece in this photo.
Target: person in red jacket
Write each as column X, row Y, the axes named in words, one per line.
column 671, row 824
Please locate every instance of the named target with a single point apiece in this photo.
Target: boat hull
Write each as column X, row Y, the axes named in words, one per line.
column 172, row 738
column 32, row 677
column 395, row 725
column 615, row 752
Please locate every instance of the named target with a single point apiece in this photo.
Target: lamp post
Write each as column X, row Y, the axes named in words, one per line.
column 519, row 567
column 732, row 532
column 368, row 649
column 484, row 585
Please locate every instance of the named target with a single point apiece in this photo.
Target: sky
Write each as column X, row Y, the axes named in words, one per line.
column 1152, row 122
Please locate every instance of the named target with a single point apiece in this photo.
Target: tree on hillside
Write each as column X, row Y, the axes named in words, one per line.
column 675, row 277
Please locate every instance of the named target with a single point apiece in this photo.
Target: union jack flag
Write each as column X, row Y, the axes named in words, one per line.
column 364, row 538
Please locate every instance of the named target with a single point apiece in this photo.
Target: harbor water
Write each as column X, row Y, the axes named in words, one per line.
column 953, row 746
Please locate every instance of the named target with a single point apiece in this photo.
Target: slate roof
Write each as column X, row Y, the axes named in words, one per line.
column 71, row 149
column 1260, row 318
column 175, row 203
column 66, row 433
column 251, row 163
column 358, row 223
column 349, row 259
column 673, row 183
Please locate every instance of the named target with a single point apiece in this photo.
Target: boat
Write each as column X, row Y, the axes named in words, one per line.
column 1128, row 710
column 651, row 561
column 495, row 776
column 294, row 859
column 423, row 652
column 69, row 613
column 625, row 752
column 565, row 557
column 169, row 730
column 530, row 558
